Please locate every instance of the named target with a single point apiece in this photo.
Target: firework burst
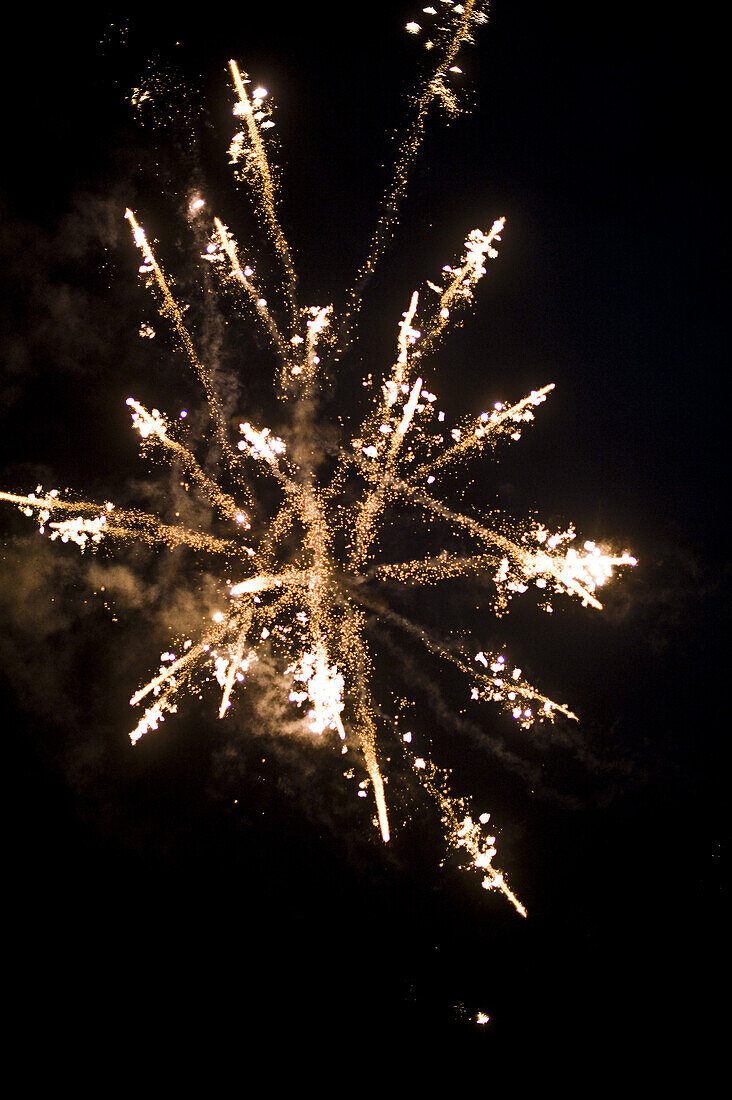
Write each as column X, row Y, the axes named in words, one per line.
column 301, row 531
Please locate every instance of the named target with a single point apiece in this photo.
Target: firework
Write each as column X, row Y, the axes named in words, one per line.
column 301, row 577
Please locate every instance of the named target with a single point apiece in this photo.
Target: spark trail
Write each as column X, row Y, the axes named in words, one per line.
column 306, row 561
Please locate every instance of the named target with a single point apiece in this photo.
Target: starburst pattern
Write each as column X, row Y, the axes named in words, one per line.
column 304, row 561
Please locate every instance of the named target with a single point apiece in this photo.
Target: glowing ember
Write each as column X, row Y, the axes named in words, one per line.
column 306, row 579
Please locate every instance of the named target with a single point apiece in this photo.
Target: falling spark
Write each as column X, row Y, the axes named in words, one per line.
column 310, row 607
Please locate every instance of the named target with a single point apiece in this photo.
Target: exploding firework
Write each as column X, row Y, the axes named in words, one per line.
column 300, row 532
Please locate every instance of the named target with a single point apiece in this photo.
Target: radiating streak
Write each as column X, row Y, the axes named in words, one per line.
column 265, row 185
column 228, row 244
column 368, row 744
column 365, row 524
column 154, row 429
column 374, row 502
column 463, row 834
column 441, row 648
column 429, row 570
column 131, row 524
column 426, row 686
column 234, row 665
column 258, row 446
column 152, row 531
column 392, row 388
column 406, row 155
column 357, row 657
column 483, row 430
column 291, row 578
column 171, row 310
column 478, row 245
column 52, row 503
column 319, row 321
column 531, row 564
column 405, row 423
column 407, row 335
column 188, row 659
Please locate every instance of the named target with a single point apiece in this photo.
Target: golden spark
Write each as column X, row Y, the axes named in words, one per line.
column 314, row 601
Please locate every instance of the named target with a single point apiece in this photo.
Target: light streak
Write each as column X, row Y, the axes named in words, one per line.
column 300, row 579
column 257, row 164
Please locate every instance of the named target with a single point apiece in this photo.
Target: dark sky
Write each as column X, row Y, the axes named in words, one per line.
column 134, row 878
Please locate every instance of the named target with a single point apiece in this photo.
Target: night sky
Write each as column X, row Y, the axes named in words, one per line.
column 206, row 884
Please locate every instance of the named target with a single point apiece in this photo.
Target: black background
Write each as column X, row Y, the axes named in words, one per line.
column 136, row 888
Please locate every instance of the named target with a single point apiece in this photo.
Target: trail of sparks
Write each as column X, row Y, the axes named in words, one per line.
column 435, row 87
column 465, row 835
column 257, row 164
column 170, row 310
column 244, row 277
column 300, row 587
